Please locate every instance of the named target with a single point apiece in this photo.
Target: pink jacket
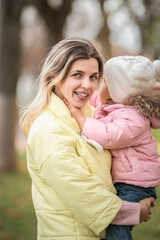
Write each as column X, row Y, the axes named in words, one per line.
column 127, row 134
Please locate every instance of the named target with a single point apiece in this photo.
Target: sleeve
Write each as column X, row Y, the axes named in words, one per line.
column 82, row 192
column 128, row 214
column 114, row 135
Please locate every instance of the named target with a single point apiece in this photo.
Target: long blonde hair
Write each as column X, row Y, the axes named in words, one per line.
column 54, row 70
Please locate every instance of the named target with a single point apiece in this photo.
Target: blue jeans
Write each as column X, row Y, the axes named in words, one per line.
column 128, row 193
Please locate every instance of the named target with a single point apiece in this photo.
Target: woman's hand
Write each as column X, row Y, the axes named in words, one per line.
column 77, row 114
column 145, row 209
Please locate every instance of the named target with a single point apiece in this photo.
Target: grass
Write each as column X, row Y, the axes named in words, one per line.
column 17, row 217
column 156, row 134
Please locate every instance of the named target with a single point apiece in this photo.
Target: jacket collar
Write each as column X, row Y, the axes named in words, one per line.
column 61, row 111
column 112, row 107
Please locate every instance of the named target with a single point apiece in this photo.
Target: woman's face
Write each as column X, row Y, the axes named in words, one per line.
column 80, row 83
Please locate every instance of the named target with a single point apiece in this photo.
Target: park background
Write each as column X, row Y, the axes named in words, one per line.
column 28, row 30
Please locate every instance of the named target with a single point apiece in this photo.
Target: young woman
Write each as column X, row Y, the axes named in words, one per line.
column 72, row 190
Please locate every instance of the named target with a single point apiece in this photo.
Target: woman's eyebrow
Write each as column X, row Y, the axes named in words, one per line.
column 96, row 73
column 76, row 71
column 79, row 71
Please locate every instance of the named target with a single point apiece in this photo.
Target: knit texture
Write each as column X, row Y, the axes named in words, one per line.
column 128, row 75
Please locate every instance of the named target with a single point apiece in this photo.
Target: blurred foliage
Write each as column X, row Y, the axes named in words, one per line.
column 156, row 134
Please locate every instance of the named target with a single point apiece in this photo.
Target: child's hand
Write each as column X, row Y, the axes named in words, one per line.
column 145, row 208
column 76, row 113
column 150, row 212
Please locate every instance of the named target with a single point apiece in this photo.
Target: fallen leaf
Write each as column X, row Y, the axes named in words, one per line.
column 11, row 212
column 4, row 235
column 1, row 224
column 19, row 201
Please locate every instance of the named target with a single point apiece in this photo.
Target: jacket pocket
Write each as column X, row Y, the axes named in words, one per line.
column 125, row 160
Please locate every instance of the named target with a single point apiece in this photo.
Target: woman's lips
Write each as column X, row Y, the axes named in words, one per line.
column 82, row 95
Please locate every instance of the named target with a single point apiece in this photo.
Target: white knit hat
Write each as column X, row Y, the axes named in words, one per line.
column 126, row 75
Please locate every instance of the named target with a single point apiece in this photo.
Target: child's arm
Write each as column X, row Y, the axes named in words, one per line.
column 113, row 135
column 124, row 131
column 132, row 213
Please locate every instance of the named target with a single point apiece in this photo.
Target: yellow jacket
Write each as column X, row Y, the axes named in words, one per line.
column 72, row 190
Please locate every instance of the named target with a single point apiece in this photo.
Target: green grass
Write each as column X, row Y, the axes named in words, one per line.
column 156, row 134
column 17, row 217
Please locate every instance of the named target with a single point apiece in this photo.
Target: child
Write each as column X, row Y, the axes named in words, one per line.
column 127, row 107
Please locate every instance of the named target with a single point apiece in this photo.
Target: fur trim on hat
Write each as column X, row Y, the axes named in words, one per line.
column 148, row 103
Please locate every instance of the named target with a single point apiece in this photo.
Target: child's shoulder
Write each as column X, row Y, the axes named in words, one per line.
column 129, row 113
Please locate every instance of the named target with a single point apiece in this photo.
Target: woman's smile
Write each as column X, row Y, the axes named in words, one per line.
column 81, row 95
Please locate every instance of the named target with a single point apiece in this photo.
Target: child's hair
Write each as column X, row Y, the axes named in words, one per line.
column 129, row 75
column 54, row 70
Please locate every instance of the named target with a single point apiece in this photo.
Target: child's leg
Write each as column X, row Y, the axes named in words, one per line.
column 129, row 193
column 118, row 232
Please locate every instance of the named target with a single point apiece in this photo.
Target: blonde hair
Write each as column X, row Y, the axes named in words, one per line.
column 54, row 70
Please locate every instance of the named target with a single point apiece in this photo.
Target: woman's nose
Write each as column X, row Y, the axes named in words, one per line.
column 86, row 83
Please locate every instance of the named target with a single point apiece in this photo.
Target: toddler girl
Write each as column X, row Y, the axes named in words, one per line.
column 127, row 107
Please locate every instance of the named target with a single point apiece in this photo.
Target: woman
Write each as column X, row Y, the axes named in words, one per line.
column 72, row 191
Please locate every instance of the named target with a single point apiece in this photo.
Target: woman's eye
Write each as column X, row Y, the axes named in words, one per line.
column 94, row 77
column 76, row 75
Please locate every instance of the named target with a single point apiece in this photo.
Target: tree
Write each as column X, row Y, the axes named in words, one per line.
column 10, row 64
column 9, row 70
column 148, row 23
column 103, row 36
column 54, row 17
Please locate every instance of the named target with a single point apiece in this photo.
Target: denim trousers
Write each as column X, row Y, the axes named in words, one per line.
column 128, row 193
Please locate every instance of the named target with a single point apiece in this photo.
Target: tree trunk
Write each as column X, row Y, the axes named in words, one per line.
column 103, row 36
column 9, row 72
column 54, row 18
column 7, row 132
